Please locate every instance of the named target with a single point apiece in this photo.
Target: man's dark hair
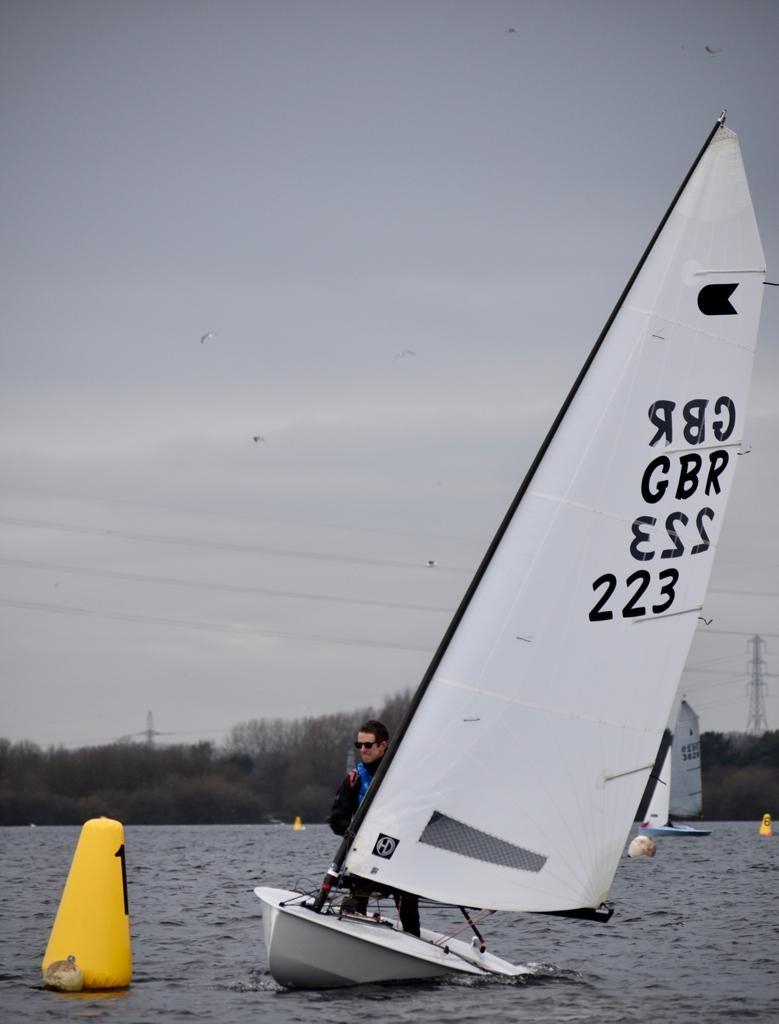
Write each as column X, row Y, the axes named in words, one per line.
column 379, row 729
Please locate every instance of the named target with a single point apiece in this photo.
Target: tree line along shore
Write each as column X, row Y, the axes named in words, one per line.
column 273, row 770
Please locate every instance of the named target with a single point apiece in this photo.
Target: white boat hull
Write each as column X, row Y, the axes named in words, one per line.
column 309, row 950
column 681, row 831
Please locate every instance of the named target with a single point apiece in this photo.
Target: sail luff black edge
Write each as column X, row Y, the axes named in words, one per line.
column 381, row 771
column 654, row 775
column 665, row 742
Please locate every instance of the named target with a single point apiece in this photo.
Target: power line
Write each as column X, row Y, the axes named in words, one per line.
column 131, row 535
column 732, row 632
column 745, row 561
column 711, row 671
column 709, row 685
column 208, row 627
column 719, row 704
column 173, row 581
column 187, row 510
column 744, row 593
column 702, row 666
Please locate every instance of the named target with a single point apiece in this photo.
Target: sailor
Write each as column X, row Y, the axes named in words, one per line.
column 371, row 743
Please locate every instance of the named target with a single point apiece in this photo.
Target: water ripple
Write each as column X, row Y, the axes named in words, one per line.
column 695, row 936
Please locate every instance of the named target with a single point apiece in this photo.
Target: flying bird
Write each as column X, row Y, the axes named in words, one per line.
column 712, row 52
column 405, row 352
column 511, row 29
column 207, row 337
column 258, row 437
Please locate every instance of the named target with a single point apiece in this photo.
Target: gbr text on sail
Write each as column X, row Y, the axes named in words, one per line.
column 691, row 475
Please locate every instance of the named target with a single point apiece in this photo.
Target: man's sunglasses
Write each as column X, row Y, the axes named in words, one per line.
column 367, row 744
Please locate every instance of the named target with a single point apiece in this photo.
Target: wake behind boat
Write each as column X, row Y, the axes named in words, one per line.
column 539, row 718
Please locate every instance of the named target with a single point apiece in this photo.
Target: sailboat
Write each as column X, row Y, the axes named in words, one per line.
column 678, row 786
column 513, row 780
column 686, row 783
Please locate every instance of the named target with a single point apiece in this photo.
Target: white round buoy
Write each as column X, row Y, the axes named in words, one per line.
column 642, row 846
column 64, row 976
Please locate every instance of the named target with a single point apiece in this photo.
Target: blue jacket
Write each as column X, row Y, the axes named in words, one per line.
column 350, row 795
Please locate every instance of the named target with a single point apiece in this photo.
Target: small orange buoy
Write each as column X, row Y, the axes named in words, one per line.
column 765, row 826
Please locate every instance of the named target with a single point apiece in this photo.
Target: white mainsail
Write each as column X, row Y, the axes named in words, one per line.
column 516, row 781
column 686, row 793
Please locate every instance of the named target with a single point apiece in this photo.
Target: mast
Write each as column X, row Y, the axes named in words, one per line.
column 334, row 872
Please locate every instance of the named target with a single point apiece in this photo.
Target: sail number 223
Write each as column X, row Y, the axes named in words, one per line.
column 679, row 533
column 637, row 584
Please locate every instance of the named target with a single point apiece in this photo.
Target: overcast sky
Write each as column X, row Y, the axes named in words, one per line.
column 405, row 223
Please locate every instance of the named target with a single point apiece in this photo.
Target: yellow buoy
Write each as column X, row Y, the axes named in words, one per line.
column 765, row 826
column 298, row 826
column 92, row 926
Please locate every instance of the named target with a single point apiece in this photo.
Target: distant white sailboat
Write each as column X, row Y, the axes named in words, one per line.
column 686, row 782
column 513, row 780
column 677, row 789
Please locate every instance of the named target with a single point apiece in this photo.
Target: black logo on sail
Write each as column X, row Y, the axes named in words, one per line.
column 714, row 300
column 385, row 846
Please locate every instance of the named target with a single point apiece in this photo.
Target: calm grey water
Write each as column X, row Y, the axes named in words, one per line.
column 695, row 936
